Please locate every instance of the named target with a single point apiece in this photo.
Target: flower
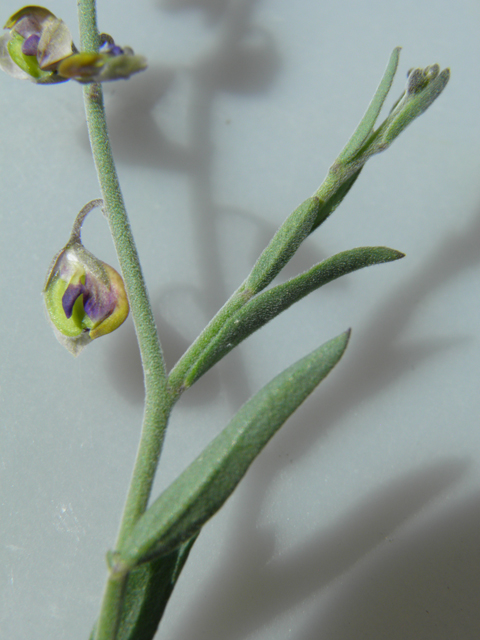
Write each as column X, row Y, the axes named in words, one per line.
column 34, row 45
column 110, row 63
column 84, row 297
column 38, row 46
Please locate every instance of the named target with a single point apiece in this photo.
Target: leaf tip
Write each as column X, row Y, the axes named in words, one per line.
column 395, row 255
column 342, row 340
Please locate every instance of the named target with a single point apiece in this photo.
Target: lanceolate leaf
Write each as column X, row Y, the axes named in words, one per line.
column 199, row 492
column 283, row 245
column 269, row 304
column 148, row 590
column 367, row 123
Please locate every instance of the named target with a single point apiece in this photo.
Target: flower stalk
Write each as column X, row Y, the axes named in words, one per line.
column 158, row 401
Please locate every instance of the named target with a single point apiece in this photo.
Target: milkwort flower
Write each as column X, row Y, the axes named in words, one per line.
column 38, row 46
column 85, row 298
column 110, row 63
column 35, row 43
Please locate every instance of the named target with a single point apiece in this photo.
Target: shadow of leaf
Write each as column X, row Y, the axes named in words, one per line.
column 253, row 588
column 135, row 134
column 380, row 363
column 213, row 9
column 425, row 585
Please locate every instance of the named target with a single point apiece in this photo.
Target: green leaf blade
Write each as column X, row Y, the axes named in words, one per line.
column 197, row 494
column 149, row 588
column 269, row 304
column 367, row 123
column 283, row 245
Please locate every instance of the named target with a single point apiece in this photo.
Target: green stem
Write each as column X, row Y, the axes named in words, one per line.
column 194, row 354
column 158, row 400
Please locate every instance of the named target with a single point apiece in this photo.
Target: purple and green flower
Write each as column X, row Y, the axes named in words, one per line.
column 38, row 46
column 85, row 298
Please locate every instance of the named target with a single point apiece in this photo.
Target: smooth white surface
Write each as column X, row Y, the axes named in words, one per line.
column 361, row 518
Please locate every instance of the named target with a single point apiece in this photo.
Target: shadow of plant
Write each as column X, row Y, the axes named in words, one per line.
column 213, row 10
column 265, row 587
column 425, row 585
column 244, row 59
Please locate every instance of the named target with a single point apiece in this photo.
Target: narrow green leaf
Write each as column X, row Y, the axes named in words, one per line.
column 283, row 245
column 149, row 588
column 269, row 304
column 199, row 492
column 367, row 123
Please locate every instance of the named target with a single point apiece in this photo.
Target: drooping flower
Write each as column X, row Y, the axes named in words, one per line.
column 38, row 46
column 110, row 63
column 35, row 43
column 85, row 298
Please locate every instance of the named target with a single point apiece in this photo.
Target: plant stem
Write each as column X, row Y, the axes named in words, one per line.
column 158, row 400
column 178, row 376
column 179, row 372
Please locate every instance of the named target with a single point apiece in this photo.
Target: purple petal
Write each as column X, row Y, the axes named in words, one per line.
column 98, row 300
column 30, row 46
column 72, row 292
column 116, row 51
column 98, row 308
column 111, row 49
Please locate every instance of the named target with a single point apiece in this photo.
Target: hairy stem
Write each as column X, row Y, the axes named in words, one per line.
column 158, row 401
column 178, row 378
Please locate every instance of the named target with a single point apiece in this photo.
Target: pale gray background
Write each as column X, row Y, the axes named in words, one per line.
column 361, row 519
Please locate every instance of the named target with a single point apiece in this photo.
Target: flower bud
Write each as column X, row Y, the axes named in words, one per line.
column 423, row 87
column 34, row 45
column 110, row 63
column 84, row 297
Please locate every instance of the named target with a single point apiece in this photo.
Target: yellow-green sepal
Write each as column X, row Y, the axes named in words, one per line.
column 29, row 64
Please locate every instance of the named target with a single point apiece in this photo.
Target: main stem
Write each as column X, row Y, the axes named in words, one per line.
column 158, row 401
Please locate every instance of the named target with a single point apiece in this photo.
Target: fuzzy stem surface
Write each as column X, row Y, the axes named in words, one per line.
column 158, row 400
